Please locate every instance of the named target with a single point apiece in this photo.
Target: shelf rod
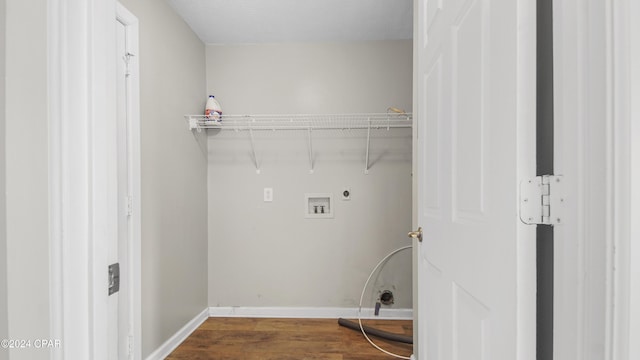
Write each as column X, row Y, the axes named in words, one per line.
column 366, row 161
column 310, row 152
column 301, row 122
column 253, row 149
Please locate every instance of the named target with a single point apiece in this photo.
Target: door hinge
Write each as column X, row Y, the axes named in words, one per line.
column 114, row 278
column 542, row 200
column 129, row 206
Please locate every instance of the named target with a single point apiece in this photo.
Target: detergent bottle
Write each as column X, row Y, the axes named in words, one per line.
column 213, row 110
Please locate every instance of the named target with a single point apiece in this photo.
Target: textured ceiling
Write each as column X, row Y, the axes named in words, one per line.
column 275, row 21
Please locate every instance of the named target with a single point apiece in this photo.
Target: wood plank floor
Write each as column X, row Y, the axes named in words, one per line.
column 284, row 339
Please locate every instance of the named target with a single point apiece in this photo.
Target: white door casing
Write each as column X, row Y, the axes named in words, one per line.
column 475, row 130
column 625, row 101
column 633, row 279
column 83, row 186
column 80, row 109
column 591, row 150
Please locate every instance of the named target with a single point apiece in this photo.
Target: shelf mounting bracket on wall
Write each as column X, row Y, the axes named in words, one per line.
column 253, row 150
column 366, row 160
column 310, row 152
column 193, row 124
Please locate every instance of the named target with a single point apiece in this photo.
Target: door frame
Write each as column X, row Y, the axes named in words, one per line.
column 621, row 49
column 78, row 304
column 134, row 249
column 624, row 313
column 596, row 45
column 634, row 98
column 81, row 87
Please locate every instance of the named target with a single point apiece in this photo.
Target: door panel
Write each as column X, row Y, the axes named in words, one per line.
column 435, row 342
column 468, row 116
column 432, row 193
column 473, row 85
column 471, row 325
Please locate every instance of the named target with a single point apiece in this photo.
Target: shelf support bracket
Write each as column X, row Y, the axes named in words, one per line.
column 310, row 151
column 253, row 150
column 366, row 160
column 193, row 124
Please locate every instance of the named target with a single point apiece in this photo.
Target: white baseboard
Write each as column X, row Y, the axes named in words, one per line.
column 309, row 312
column 165, row 349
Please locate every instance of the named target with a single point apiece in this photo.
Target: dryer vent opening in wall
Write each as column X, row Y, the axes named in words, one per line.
column 386, row 298
column 318, row 206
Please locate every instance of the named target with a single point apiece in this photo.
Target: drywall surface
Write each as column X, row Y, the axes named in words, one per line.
column 27, row 213
column 634, row 247
column 174, row 170
column 4, row 355
column 311, row 78
column 268, row 254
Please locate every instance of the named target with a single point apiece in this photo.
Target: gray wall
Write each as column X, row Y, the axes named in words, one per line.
column 4, row 355
column 311, row 78
column 268, row 254
column 174, row 170
column 634, row 199
column 27, row 194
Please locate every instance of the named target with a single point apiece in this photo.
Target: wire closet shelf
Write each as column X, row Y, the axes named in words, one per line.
column 308, row 123
column 302, row 121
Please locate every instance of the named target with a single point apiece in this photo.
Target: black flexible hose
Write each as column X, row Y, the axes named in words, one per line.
column 376, row 332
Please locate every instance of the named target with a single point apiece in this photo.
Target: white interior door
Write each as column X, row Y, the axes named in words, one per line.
column 475, row 133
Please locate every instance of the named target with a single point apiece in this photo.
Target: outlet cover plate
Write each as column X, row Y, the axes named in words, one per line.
column 268, row 194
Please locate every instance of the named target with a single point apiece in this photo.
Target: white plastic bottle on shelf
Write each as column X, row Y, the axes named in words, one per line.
column 213, row 110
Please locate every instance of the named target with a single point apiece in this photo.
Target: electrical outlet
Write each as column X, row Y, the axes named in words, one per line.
column 268, row 194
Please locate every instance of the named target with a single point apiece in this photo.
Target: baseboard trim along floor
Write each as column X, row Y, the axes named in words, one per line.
column 165, row 349
column 309, row 312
